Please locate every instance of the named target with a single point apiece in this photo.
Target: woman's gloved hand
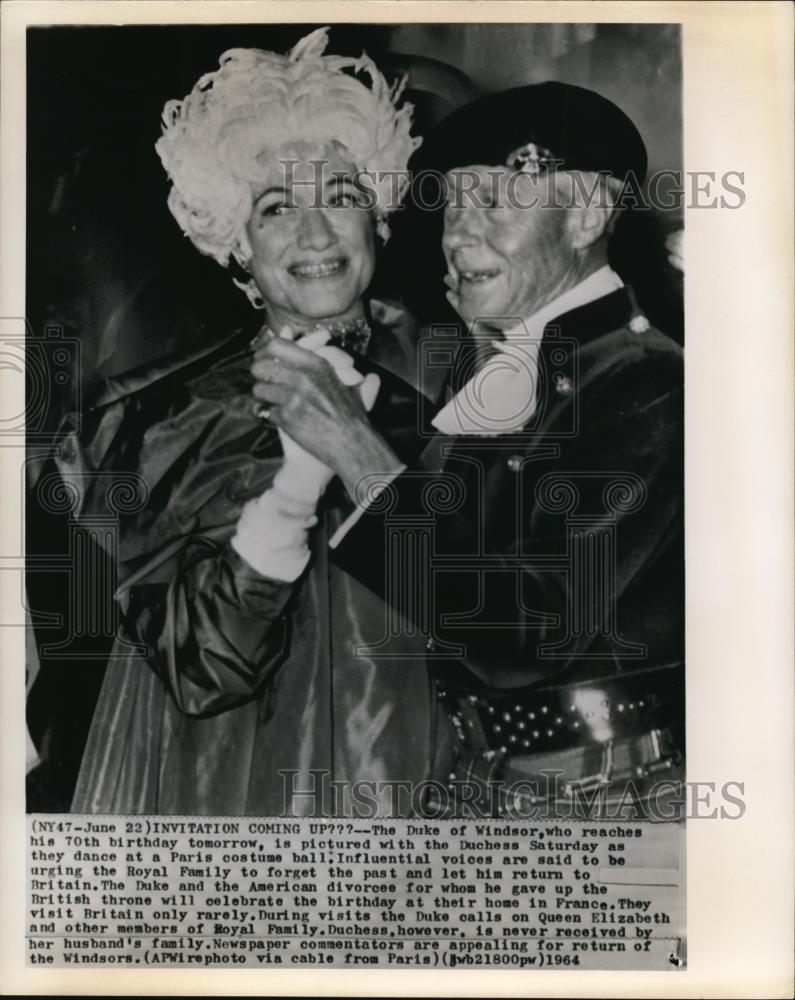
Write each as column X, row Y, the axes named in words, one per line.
column 272, row 530
column 302, row 475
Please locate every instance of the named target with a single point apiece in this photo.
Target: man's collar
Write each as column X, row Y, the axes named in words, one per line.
column 598, row 317
column 597, row 285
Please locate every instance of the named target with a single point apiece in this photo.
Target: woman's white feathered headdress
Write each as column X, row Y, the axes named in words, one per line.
column 260, row 100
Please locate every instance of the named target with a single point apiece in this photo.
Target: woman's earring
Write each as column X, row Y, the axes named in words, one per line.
column 253, row 293
column 245, row 282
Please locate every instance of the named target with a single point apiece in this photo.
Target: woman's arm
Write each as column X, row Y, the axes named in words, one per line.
column 211, row 615
column 216, row 633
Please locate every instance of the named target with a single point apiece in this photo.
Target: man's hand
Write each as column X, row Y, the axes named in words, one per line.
column 309, row 402
column 301, row 473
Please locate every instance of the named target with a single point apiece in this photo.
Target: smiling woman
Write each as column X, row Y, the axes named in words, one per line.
column 234, row 134
column 311, row 238
column 240, row 681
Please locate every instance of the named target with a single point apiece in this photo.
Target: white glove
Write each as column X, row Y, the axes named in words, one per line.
column 302, row 476
column 272, row 530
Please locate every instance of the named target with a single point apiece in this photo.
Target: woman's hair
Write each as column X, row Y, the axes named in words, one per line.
column 257, row 101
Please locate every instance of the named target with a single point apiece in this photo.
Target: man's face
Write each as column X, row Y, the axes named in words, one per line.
column 311, row 239
column 508, row 249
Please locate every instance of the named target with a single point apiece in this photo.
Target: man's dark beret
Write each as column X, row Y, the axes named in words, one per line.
column 576, row 126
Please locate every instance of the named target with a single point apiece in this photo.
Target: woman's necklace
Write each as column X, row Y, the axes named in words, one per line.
column 351, row 335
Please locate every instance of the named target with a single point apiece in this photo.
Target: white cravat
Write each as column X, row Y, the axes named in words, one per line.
column 502, row 396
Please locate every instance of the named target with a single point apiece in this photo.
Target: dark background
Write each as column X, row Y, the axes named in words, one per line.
column 108, row 265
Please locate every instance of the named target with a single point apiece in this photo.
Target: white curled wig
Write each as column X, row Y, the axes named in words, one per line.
column 258, row 101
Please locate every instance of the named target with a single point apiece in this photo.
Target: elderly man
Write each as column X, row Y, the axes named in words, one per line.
column 538, row 541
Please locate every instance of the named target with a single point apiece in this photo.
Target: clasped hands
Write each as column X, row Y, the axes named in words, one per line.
column 307, row 388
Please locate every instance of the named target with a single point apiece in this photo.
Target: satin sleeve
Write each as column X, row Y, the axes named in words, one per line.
column 216, row 633
column 213, row 628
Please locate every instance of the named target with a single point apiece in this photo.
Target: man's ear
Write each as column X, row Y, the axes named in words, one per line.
column 593, row 215
column 589, row 224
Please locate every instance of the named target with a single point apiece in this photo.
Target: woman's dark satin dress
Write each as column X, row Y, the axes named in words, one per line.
column 227, row 692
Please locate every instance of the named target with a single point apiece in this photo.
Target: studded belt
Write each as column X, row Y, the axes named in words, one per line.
column 565, row 716
column 592, row 734
column 581, row 783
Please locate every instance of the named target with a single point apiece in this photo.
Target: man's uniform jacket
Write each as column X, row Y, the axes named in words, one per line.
column 540, row 562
